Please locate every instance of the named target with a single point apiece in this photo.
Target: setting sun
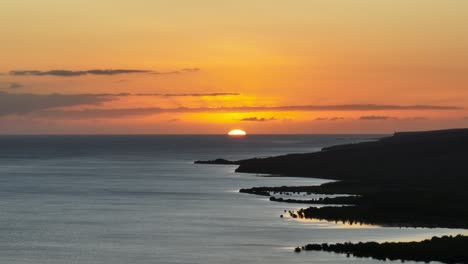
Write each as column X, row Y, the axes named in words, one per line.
column 237, row 132
column 357, row 113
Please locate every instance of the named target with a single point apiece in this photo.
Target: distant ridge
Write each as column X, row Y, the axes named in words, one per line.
column 408, row 156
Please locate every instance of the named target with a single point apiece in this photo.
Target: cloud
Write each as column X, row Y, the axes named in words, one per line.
column 185, row 70
column 28, row 103
column 372, row 117
column 41, row 104
column 419, row 118
column 256, row 119
column 163, row 95
column 309, row 108
column 112, row 113
column 329, row 119
column 70, row 73
column 15, row 85
column 114, row 72
column 22, row 103
column 11, row 85
column 186, row 94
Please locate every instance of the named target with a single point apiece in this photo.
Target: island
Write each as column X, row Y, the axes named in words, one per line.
column 409, row 179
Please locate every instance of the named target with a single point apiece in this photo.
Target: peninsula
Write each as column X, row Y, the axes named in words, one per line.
column 410, row 179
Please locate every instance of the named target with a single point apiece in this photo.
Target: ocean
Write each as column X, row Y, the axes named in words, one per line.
column 140, row 199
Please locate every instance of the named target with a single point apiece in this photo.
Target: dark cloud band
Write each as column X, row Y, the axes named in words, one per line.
column 186, row 94
column 162, row 94
column 29, row 103
column 114, row 113
column 41, row 104
column 105, row 72
column 256, row 119
column 373, row 117
column 335, row 118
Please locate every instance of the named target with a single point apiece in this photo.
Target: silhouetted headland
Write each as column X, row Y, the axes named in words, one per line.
column 409, row 179
column 421, row 157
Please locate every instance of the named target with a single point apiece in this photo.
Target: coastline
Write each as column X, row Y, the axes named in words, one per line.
column 407, row 180
column 446, row 249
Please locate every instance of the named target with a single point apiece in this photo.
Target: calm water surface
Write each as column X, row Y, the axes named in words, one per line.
column 140, row 199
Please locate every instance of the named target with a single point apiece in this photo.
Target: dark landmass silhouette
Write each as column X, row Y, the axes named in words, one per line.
column 410, row 179
column 445, row 249
column 217, row 162
column 326, row 200
column 410, row 156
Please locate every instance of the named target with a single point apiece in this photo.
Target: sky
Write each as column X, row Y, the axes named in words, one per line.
column 209, row 66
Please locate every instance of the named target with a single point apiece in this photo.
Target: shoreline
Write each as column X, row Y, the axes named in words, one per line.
column 446, row 249
column 406, row 180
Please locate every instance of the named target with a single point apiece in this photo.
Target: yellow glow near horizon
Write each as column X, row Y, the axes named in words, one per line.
column 237, row 133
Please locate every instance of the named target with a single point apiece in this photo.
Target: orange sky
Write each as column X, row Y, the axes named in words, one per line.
column 209, row 66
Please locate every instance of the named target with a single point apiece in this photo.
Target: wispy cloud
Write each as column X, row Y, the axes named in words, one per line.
column 185, row 70
column 20, row 103
column 373, row 117
column 71, row 73
column 162, row 94
column 11, row 85
column 15, row 85
column 256, row 119
column 110, row 113
column 335, row 118
column 28, row 103
column 345, row 107
column 186, row 94
column 68, row 73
